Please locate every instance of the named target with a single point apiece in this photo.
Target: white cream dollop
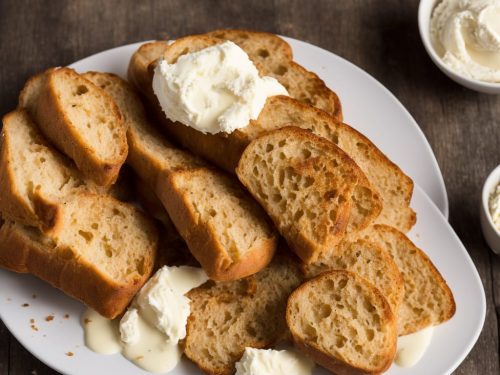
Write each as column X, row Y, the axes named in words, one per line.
column 494, row 206
column 129, row 327
column 466, row 35
column 273, row 362
column 216, row 89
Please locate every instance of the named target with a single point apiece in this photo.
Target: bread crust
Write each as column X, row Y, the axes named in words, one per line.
column 57, row 126
column 337, row 365
column 64, row 270
column 201, row 238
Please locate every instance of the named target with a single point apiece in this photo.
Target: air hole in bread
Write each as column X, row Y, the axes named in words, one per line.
column 81, row 89
column 86, row 235
column 280, row 70
column 263, row 53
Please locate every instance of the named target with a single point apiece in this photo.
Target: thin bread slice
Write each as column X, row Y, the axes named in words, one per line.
column 368, row 260
column 80, row 119
column 33, row 175
column 427, row 299
column 225, row 230
column 344, row 323
column 304, row 183
column 230, row 316
column 104, row 255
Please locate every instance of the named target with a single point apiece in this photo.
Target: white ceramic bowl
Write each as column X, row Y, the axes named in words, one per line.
column 424, row 19
column 491, row 234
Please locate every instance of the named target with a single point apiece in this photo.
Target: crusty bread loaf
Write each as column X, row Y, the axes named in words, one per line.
column 103, row 255
column 368, row 260
column 33, row 175
column 227, row 317
column 344, row 323
column 304, row 183
column 80, row 119
column 427, row 299
column 225, row 230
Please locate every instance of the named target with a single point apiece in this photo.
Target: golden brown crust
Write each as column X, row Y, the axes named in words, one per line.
column 56, row 125
column 137, row 73
column 337, row 365
column 22, row 252
column 201, row 238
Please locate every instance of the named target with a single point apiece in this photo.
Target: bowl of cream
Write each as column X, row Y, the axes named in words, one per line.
column 490, row 210
column 462, row 37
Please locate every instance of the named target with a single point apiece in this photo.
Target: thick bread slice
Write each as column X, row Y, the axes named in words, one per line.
column 304, row 183
column 81, row 120
column 33, row 175
column 228, row 317
column 427, row 299
column 138, row 74
column 102, row 257
column 226, row 231
column 344, row 323
column 368, row 260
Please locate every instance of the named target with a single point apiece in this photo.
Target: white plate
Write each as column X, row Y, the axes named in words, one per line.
column 367, row 105
column 371, row 109
column 450, row 344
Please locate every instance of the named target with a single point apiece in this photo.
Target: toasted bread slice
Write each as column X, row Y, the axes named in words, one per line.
column 304, row 183
column 368, row 260
column 427, row 299
column 344, row 323
column 226, row 231
column 33, row 175
column 80, row 119
column 104, row 255
column 228, row 317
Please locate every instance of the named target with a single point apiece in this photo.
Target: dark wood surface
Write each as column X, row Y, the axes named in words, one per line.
column 462, row 126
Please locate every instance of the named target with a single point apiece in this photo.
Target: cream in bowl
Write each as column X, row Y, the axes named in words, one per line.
column 490, row 210
column 466, row 36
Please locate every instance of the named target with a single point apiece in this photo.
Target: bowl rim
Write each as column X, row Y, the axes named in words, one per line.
column 491, row 182
column 424, row 20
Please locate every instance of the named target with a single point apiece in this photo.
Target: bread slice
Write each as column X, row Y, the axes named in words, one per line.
column 304, row 183
column 427, row 299
column 230, row 316
column 226, row 231
column 344, row 323
column 33, row 175
column 80, row 119
column 104, row 255
column 368, row 260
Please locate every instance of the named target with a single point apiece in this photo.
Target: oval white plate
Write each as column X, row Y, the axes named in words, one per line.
column 367, row 105
column 370, row 108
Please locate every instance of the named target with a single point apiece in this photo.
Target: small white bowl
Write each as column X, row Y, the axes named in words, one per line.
column 425, row 9
column 491, row 234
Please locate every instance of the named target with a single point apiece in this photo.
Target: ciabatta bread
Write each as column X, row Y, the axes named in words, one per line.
column 228, row 317
column 80, row 119
column 344, row 323
column 305, row 184
column 102, row 257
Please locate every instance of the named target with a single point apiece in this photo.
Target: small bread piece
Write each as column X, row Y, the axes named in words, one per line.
column 368, row 260
column 81, row 120
column 344, row 323
column 33, row 175
column 304, row 183
column 102, row 257
column 427, row 299
column 226, row 231
column 227, row 317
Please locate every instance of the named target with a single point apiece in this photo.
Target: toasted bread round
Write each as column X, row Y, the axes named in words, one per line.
column 344, row 323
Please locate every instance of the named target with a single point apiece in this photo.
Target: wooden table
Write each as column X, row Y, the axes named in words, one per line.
column 381, row 37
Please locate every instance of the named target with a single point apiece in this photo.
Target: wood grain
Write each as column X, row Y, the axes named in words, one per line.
column 462, row 126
